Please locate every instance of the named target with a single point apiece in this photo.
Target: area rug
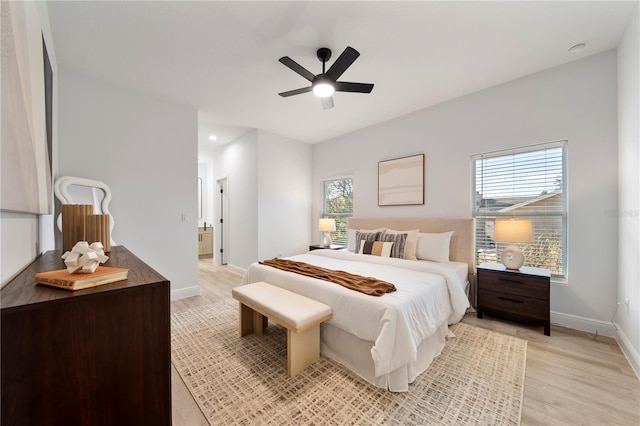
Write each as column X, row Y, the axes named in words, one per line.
column 477, row 379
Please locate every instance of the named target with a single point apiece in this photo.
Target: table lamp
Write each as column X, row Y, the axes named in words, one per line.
column 513, row 231
column 327, row 226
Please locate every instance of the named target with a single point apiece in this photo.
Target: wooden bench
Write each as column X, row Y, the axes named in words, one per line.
column 300, row 315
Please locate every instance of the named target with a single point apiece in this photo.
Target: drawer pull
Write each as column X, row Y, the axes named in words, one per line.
column 506, row 299
column 510, row 281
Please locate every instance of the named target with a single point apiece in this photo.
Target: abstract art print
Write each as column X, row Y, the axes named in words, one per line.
column 26, row 169
column 401, row 181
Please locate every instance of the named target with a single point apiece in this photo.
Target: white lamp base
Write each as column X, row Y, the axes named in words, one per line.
column 327, row 239
column 512, row 257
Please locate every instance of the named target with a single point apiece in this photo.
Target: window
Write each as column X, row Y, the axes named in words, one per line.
column 337, row 203
column 528, row 183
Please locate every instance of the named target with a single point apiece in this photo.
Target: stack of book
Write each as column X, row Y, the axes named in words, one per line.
column 73, row 281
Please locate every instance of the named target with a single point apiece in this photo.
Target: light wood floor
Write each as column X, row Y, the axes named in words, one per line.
column 571, row 378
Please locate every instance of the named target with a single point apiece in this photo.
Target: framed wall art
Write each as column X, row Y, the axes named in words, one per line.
column 401, row 181
column 26, row 123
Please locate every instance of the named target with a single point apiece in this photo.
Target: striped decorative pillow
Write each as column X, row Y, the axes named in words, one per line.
column 376, row 248
column 399, row 241
column 366, row 236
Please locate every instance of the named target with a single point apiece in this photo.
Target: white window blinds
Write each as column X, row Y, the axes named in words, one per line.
column 530, row 183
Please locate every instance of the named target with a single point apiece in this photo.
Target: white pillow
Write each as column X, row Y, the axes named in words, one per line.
column 410, row 244
column 351, row 237
column 434, row 247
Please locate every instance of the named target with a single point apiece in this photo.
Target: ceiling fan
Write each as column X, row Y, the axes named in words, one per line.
column 325, row 84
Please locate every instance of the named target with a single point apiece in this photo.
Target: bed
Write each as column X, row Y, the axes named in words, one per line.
column 388, row 340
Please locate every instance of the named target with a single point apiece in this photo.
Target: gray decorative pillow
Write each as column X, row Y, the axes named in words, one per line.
column 366, row 236
column 399, row 241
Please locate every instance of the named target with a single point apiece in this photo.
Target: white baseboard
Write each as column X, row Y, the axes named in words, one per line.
column 236, row 269
column 183, row 293
column 589, row 325
column 629, row 351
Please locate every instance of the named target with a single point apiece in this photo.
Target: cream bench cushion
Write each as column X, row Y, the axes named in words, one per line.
column 300, row 315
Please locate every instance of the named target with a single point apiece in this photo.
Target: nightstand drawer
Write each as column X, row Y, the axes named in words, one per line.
column 514, row 284
column 514, row 304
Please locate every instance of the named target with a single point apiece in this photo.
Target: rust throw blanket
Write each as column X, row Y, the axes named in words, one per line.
column 366, row 285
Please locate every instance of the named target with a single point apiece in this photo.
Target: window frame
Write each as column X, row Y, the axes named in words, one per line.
column 339, row 215
column 561, row 213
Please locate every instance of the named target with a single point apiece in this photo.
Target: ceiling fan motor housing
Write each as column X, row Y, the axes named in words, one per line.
column 324, row 54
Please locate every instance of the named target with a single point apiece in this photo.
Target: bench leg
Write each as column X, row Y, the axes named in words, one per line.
column 303, row 349
column 246, row 320
column 251, row 321
column 258, row 323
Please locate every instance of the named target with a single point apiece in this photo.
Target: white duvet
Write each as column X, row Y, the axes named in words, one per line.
column 428, row 294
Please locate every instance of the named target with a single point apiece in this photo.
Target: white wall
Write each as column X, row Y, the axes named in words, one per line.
column 237, row 161
column 576, row 101
column 145, row 149
column 628, row 321
column 269, row 197
column 284, row 196
column 24, row 236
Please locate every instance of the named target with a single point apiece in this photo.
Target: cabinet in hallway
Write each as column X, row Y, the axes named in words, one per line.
column 205, row 241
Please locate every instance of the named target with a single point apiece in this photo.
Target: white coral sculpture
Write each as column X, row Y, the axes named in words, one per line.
column 84, row 258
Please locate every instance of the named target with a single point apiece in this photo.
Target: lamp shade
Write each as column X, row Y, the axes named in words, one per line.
column 327, row 225
column 513, row 231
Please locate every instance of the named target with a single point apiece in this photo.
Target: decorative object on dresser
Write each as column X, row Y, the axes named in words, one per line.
column 521, row 295
column 92, row 356
column 98, row 230
column 84, row 258
column 61, row 278
column 95, row 191
column 73, row 229
column 327, row 226
column 513, row 231
column 321, row 246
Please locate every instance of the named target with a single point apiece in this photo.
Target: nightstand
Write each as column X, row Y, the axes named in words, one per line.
column 520, row 295
column 331, row 247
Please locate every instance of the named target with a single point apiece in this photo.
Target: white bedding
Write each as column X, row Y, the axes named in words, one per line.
column 428, row 295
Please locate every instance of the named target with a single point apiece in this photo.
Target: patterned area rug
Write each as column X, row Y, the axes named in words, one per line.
column 478, row 378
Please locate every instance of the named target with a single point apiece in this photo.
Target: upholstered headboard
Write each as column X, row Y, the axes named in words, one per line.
column 462, row 247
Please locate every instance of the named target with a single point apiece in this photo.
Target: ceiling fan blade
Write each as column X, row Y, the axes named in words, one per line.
column 295, row 92
column 296, row 67
column 343, row 62
column 343, row 86
column 327, row 103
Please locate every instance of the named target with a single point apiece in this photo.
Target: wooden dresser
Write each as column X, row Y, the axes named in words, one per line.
column 99, row 356
column 521, row 295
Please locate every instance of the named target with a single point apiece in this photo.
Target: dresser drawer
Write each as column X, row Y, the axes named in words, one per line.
column 514, row 284
column 514, row 304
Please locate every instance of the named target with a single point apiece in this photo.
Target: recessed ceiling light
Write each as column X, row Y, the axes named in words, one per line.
column 212, row 137
column 577, row 48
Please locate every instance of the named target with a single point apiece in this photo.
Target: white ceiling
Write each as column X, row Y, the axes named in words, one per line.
column 222, row 57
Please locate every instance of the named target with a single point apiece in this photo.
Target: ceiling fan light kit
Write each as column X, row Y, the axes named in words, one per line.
column 325, row 84
column 322, row 88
